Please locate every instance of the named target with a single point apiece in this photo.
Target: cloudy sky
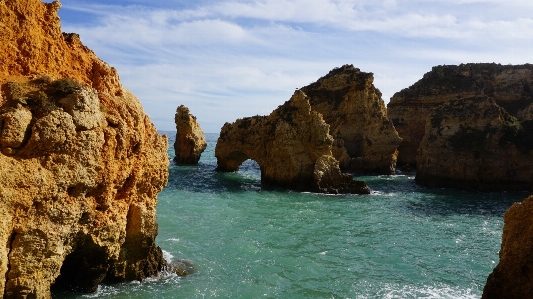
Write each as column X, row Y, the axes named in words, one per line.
column 228, row 59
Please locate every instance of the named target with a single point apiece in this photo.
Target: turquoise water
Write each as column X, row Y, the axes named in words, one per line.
column 402, row 241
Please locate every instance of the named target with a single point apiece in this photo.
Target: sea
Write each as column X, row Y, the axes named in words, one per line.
column 247, row 241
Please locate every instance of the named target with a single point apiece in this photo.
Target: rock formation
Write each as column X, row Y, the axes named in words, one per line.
column 475, row 144
column 292, row 146
column 81, row 163
column 365, row 141
column 513, row 276
column 510, row 86
column 190, row 141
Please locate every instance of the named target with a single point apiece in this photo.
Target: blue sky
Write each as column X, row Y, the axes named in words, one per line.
column 228, row 59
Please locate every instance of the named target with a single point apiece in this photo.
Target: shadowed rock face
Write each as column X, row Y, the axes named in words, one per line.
column 287, row 145
column 513, row 276
column 81, row 163
column 511, row 87
column 365, row 141
column 475, row 144
column 190, row 140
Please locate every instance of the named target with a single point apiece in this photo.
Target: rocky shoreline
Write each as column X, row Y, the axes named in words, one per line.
column 82, row 164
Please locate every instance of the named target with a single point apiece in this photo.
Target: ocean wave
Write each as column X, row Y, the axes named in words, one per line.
column 393, row 291
column 167, row 256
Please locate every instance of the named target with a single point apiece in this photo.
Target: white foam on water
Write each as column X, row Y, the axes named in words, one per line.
column 103, row 291
column 393, row 291
column 167, row 256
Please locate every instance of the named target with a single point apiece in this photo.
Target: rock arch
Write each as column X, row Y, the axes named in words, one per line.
column 287, row 145
column 233, row 161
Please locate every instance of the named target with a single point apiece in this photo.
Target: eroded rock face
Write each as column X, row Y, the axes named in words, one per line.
column 190, row 140
column 81, row 163
column 15, row 123
column 365, row 141
column 475, row 144
column 510, row 86
column 513, row 276
column 292, row 146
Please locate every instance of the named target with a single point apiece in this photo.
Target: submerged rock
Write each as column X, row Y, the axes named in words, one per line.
column 475, row 144
column 180, row 267
column 81, row 163
column 365, row 141
column 511, row 87
column 292, row 146
column 190, row 140
column 513, row 276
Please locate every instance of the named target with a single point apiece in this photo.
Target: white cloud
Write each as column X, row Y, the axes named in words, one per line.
column 230, row 59
column 145, row 32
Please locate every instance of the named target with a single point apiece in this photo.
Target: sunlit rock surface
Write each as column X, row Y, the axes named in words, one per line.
column 365, row 141
column 81, row 164
column 292, row 146
column 513, row 276
column 190, row 140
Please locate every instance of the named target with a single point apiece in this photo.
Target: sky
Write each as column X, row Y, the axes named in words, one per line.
column 229, row 59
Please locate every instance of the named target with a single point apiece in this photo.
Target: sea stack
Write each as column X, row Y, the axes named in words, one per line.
column 190, row 140
column 292, row 146
column 513, row 276
column 81, row 163
column 475, row 144
column 510, row 86
column 365, row 141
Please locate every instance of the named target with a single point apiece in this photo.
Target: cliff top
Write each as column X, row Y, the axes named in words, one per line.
column 334, row 86
column 348, row 73
column 474, row 78
column 31, row 43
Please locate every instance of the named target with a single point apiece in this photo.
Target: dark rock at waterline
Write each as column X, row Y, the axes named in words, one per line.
column 180, row 267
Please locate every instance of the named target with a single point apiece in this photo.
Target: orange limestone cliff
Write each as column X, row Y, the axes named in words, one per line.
column 81, row 164
column 510, row 86
column 292, row 146
column 190, row 140
column 513, row 276
column 365, row 140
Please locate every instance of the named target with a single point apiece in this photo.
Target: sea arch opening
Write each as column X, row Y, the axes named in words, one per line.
column 233, row 161
column 247, row 170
